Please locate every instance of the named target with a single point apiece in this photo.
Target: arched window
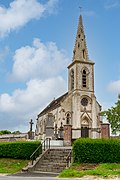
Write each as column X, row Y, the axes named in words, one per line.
column 83, row 53
column 72, row 79
column 84, row 78
column 68, row 119
column 44, row 127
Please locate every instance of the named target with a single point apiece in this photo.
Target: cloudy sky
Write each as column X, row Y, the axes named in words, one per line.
column 36, row 43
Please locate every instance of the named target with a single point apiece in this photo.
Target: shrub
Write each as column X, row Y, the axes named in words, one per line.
column 96, row 150
column 18, row 150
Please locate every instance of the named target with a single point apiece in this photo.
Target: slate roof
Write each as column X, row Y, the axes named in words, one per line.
column 53, row 104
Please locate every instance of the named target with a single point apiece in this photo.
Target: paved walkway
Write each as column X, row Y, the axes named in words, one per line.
column 24, row 176
column 35, row 174
column 45, row 176
column 54, row 178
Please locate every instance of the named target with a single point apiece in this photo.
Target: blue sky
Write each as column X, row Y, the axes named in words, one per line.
column 36, row 44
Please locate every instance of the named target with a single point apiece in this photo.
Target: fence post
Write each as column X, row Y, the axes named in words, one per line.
column 44, row 145
column 32, row 161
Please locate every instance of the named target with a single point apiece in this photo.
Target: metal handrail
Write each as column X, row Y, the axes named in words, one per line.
column 69, row 158
column 45, row 144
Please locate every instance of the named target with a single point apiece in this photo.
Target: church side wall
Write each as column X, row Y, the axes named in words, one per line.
column 59, row 116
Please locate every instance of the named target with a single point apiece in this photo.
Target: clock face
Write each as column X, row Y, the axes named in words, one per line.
column 84, row 101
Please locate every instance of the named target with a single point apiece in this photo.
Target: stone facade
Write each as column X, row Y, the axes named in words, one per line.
column 78, row 108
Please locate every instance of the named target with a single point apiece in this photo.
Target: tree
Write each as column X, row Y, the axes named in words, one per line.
column 5, row 132
column 113, row 117
column 16, row 132
column 9, row 132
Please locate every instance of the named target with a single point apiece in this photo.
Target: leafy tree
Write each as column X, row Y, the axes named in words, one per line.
column 113, row 116
column 16, row 132
column 5, row 132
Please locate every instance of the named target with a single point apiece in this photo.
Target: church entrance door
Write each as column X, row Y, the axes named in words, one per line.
column 85, row 128
column 84, row 132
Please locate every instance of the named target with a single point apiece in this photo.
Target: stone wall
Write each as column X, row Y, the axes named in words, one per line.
column 13, row 137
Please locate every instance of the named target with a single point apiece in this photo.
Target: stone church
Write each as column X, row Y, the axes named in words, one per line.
column 76, row 113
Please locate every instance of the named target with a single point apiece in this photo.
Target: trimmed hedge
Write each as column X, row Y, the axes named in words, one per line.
column 96, row 150
column 18, row 150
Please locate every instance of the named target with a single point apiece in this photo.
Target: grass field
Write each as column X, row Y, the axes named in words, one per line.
column 9, row 166
column 104, row 170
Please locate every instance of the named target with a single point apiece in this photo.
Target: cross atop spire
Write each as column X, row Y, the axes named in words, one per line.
column 80, row 50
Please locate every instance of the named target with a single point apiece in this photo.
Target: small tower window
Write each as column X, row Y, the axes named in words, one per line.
column 84, row 78
column 83, row 53
column 68, row 119
column 78, row 45
column 79, row 35
column 72, row 79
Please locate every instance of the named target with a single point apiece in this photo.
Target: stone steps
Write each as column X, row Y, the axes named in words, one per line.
column 55, row 157
column 54, row 161
column 51, row 164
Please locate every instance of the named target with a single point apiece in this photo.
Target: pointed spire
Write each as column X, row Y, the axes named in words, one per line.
column 80, row 50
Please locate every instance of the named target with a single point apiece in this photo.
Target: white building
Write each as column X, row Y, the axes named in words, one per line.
column 78, row 107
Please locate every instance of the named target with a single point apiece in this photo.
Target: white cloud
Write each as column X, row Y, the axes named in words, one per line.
column 18, row 108
column 112, row 5
column 38, row 61
column 21, row 12
column 51, row 6
column 40, row 67
column 114, row 86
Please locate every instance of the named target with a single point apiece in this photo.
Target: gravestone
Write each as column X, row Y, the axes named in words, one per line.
column 50, row 126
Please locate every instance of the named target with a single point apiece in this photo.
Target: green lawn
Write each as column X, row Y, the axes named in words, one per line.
column 104, row 170
column 9, row 166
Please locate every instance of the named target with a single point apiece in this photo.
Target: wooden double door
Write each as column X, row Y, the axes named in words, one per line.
column 84, row 132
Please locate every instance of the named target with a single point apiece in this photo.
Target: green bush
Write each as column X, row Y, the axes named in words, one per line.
column 18, row 150
column 96, row 150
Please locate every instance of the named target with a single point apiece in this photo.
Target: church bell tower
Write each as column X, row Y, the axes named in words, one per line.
column 81, row 70
column 85, row 108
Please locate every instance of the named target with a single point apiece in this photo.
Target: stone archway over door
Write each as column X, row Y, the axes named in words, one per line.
column 85, row 128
